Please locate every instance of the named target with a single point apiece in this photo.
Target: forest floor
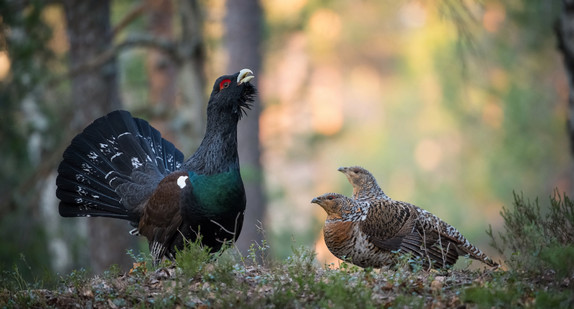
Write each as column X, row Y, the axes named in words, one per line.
column 537, row 245
column 231, row 281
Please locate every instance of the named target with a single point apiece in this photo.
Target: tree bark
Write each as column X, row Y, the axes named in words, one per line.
column 243, row 26
column 95, row 93
column 161, row 68
column 192, row 75
column 565, row 35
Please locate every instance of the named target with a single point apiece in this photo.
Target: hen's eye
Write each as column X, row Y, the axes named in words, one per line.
column 224, row 84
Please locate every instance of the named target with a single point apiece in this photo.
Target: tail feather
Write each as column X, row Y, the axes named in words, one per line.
column 92, row 202
column 167, row 156
column 468, row 249
column 85, row 187
column 113, row 166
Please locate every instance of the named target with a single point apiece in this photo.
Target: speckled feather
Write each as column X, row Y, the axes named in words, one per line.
column 365, row 186
column 382, row 226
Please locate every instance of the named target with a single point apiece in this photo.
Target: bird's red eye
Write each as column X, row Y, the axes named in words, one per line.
column 224, row 84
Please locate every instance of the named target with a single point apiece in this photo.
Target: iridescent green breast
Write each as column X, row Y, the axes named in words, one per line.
column 218, row 193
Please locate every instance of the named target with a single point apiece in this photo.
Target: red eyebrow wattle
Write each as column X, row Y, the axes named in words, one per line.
column 222, row 84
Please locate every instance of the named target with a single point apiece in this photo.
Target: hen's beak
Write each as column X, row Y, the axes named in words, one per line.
column 245, row 75
column 342, row 169
column 315, row 200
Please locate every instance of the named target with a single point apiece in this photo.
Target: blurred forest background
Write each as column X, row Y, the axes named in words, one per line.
column 453, row 105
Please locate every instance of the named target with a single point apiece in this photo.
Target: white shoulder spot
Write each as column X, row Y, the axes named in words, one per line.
column 181, row 181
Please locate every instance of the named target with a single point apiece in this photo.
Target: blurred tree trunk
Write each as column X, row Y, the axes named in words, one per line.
column 243, row 24
column 565, row 34
column 95, row 93
column 179, row 73
column 161, row 68
column 192, row 75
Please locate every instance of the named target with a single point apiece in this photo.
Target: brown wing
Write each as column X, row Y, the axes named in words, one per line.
column 394, row 225
column 432, row 247
column 161, row 217
column 452, row 237
column 387, row 223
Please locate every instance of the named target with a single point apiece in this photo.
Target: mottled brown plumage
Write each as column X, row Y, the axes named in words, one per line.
column 370, row 229
column 344, row 236
column 365, row 186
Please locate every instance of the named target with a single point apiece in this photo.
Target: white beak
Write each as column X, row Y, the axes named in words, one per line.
column 245, row 75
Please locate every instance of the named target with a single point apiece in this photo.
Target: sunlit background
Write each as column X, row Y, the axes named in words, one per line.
column 453, row 124
column 452, row 108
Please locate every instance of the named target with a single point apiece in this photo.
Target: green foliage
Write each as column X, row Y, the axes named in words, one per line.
column 560, row 259
column 112, row 273
column 488, row 297
column 551, row 299
column 22, row 276
column 258, row 253
column 513, row 289
column 346, row 286
column 76, row 279
column 342, row 288
column 17, row 290
column 192, row 258
column 408, row 301
column 300, row 269
column 541, row 245
column 13, row 280
column 538, row 240
column 222, row 270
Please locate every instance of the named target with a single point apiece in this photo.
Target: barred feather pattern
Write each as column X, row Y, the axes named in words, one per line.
column 390, row 225
column 365, row 186
column 343, row 236
column 429, row 222
column 374, row 233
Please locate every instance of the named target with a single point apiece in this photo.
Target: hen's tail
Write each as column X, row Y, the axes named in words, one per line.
column 113, row 166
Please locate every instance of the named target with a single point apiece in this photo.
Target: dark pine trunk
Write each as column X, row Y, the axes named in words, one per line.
column 243, row 24
column 94, row 93
column 191, row 74
column 161, row 67
column 565, row 35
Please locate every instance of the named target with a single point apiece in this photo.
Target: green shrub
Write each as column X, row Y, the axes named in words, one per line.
column 489, row 297
column 546, row 299
column 538, row 239
column 192, row 258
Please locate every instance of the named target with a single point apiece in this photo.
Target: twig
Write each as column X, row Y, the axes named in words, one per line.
column 167, row 46
column 136, row 12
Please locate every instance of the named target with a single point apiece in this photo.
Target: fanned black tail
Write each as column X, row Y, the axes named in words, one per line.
column 113, row 166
